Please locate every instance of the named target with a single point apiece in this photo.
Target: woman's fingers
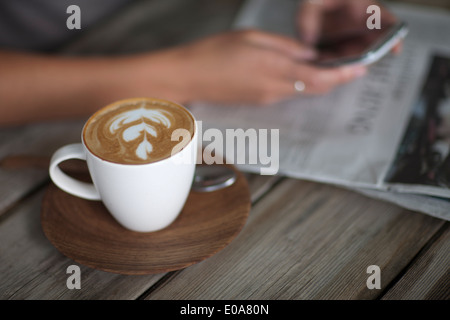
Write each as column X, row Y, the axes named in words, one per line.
column 309, row 20
column 255, row 67
column 398, row 48
column 283, row 61
column 279, row 43
column 308, row 80
column 322, row 80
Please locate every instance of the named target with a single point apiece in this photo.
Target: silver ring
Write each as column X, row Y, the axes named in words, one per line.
column 299, row 86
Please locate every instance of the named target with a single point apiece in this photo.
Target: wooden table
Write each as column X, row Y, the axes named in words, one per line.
column 303, row 240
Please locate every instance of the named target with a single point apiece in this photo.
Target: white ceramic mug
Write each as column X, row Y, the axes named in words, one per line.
column 141, row 197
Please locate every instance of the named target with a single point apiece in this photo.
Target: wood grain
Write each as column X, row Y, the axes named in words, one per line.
column 259, row 185
column 84, row 231
column 32, row 268
column 37, row 140
column 307, row 241
column 428, row 278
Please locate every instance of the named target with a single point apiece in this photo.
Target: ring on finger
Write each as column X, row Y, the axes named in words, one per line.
column 299, row 86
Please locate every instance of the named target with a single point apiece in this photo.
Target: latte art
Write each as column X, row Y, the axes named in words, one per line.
column 139, row 124
column 136, row 131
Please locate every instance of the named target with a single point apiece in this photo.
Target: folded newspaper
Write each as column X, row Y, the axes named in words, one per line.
column 386, row 135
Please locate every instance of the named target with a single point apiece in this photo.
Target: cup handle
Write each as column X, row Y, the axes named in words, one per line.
column 63, row 181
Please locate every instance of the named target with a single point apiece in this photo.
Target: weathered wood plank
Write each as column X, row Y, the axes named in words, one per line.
column 31, row 268
column 429, row 276
column 259, row 185
column 39, row 139
column 307, row 241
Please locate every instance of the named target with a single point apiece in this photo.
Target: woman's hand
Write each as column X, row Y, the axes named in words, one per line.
column 232, row 67
column 246, row 66
column 337, row 17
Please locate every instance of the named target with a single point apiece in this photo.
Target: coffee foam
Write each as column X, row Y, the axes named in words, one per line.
column 137, row 131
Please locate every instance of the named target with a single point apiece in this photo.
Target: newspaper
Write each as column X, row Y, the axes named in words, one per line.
column 386, row 135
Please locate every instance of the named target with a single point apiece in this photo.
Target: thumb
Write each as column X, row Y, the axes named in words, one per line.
column 309, row 21
column 283, row 44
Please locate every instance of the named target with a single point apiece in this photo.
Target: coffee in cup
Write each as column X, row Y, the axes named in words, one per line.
column 141, row 174
column 137, row 131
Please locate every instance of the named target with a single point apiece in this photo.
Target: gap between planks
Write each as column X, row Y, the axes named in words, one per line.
column 259, row 186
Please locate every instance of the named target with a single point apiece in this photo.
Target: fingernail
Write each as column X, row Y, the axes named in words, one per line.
column 309, row 38
column 309, row 54
column 359, row 71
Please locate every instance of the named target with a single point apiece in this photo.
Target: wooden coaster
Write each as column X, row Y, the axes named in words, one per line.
column 85, row 231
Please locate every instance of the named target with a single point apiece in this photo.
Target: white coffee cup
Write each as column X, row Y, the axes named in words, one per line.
column 141, row 197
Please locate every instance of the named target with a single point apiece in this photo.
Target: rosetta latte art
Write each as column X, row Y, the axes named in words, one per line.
column 140, row 124
column 137, row 131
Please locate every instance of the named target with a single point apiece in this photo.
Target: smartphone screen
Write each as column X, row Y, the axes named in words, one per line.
column 360, row 45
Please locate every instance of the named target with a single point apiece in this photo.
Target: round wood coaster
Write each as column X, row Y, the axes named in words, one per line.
column 85, row 231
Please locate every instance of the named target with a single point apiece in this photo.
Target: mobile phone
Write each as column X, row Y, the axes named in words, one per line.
column 364, row 46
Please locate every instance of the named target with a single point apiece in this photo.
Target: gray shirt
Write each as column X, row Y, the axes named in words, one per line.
column 40, row 25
